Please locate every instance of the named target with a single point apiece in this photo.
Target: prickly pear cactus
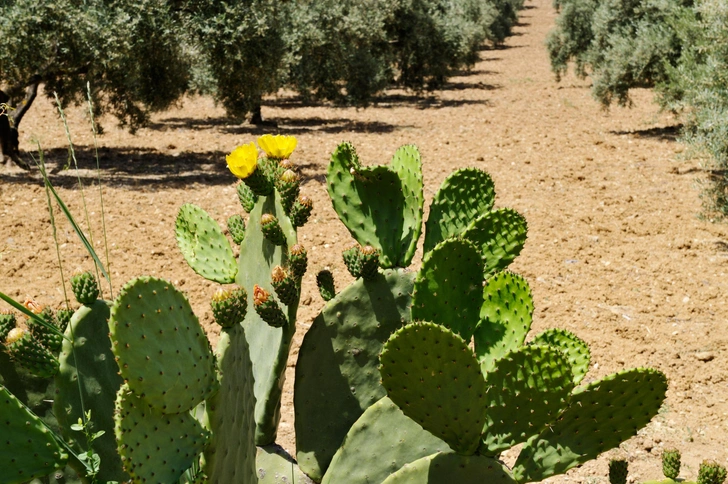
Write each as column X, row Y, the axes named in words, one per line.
column 336, row 372
column 87, row 365
column 392, row 195
column 452, row 467
column 204, row 246
column 162, row 351
column 27, row 448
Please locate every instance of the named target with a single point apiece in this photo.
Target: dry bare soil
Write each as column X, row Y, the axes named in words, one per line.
column 616, row 251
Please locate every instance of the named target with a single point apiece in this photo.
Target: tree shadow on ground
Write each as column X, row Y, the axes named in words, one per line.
column 142, row 168
column 664, row 133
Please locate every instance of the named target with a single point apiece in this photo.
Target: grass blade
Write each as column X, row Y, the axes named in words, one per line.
column 30, row 314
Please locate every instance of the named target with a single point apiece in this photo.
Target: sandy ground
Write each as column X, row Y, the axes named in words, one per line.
column 617, row 252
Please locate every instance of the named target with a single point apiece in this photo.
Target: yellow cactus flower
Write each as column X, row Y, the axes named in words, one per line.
column 243, row 160
column 278, row 146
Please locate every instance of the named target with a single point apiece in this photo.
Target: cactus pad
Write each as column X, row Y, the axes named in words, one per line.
column 269, row 346
column 27, row 448
column 160, row 347
column 501, row 235
column 274, row 466
column 711, row 472
column 230, row 414
column 336, row 373
column 449, row 287
column 505, row 318
column 408, row 166
column 671, row 463
column 576, row 350
column 600, row 417
column 382, row 441
column 452, row 468
column 463, row 196
column 432, row 375
column 7, row 323
column 371, row 202
column 100, row 382
column 155, row 447
column 528, row 389
column 204, row 246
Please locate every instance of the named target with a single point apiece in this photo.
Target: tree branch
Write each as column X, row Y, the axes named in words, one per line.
column 30, row 94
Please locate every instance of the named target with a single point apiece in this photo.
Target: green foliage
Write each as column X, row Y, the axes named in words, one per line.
column 680, row 47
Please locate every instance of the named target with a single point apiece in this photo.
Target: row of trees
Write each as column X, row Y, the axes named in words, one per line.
column 140, row 56
column 678, row 47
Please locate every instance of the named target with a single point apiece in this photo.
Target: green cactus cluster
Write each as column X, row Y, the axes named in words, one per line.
column 710, row 472
column 404, row 376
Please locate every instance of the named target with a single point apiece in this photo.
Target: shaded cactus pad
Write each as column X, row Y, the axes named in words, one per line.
column 27, row 448
column 452, row 468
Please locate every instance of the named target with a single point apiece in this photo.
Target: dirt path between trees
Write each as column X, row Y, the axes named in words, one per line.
column 616, row 251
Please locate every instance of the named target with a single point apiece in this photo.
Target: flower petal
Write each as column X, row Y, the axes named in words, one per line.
column 278, row 146
column 243, row 160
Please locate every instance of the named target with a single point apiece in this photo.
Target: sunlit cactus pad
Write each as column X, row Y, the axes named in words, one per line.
column 576, row 350
column 204, row 246
column 162, row 351
column 465, row 195
column 601, row 416
column 448, row 288
column 432, row 375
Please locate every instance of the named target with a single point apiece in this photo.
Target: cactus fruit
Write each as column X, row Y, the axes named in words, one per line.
column 671, row 463
column 7, row 323
column 268, row 308
column 352, row 260
column 301, row 211
column 711, row 472
column 259, row 182
column 30, row 354
column 272, row 229
column 618, row 470
column 246, row 196
column 297, row 261
column 63, row 317
column 45, row 334
column 288, row 185
column 204, row 246
column 285, row 285
column 369, row 259
column 325, row 283
column 236, row 227
column 27, row 448
column 85, row 288
column 229, row 306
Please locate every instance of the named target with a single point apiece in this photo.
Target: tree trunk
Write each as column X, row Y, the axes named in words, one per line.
column 9, row 123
